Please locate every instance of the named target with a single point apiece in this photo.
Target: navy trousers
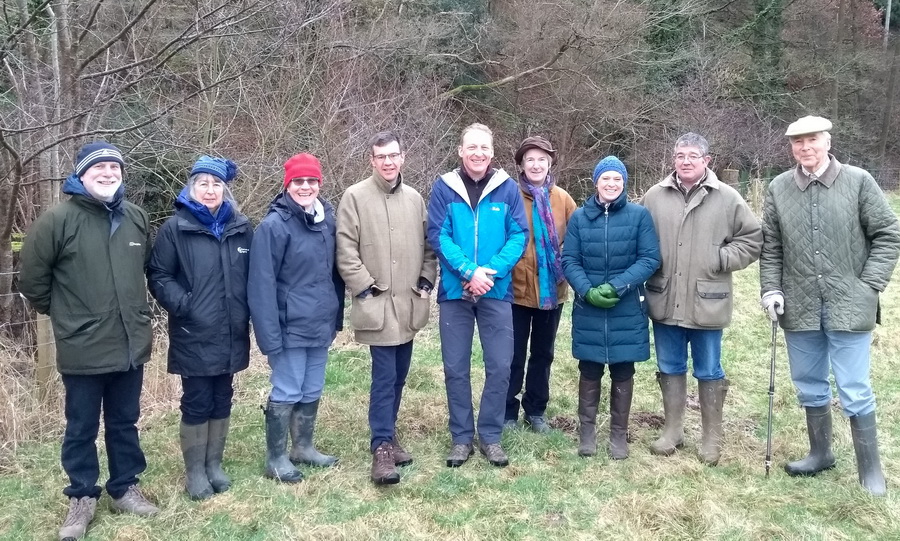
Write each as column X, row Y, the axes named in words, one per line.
column 118, row 395
column 390, row 365
column 457, row 324
column 206, row 397
column 540, row 326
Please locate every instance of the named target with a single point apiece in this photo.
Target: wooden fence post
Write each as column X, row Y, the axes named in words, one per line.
column 730, row 177
column 46, row 357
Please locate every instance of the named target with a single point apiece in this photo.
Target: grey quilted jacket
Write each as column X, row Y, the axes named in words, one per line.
column 830, row 246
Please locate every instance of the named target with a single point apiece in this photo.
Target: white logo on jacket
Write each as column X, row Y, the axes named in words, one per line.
column 134, row 243
column 243, row 250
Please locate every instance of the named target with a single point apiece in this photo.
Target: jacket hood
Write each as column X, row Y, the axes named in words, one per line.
column 74, row 186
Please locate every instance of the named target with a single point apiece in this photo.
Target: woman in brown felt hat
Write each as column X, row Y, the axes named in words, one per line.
column 539, row 286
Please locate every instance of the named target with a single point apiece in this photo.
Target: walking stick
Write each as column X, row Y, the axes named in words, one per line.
column 771, row 400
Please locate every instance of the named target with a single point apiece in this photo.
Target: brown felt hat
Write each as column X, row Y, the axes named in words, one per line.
column 534, row 142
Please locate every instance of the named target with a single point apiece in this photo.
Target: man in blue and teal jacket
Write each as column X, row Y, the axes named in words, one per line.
column 477, row 227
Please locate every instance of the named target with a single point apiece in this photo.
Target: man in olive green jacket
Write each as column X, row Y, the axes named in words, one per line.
column 831, row 244
column 706, row 232
column 83, row 264
column 390, row 269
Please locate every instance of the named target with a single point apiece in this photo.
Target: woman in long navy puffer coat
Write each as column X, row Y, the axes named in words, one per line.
column 611, row 248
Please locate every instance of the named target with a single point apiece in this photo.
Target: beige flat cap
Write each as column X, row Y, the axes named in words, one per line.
column 808, row 124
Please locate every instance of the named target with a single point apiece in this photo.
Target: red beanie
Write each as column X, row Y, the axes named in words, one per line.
column 302, row 165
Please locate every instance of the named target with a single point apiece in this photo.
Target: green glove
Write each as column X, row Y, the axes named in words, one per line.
column 608, row 291
column 596, row 298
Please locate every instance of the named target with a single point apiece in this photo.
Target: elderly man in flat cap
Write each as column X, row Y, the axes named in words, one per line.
column 831, row 244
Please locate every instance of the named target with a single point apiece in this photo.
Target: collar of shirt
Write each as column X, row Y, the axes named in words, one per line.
column 685, row 190
column 820, row 171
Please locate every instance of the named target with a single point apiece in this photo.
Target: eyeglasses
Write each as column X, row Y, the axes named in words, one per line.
column 689, row 157
column 394, row 156
column 308, row 181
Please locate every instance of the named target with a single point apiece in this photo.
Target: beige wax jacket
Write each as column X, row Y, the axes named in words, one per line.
column 702, row 241
column 381, row 242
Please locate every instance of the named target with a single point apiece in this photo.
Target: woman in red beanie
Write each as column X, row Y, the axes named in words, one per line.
column 296, row 300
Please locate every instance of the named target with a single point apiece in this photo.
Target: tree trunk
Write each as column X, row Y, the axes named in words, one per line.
column 889, row 100
column 838, row 50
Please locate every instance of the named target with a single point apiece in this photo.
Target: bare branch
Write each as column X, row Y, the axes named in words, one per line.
column 506, row 80
column 90, row 21
column 125, row 29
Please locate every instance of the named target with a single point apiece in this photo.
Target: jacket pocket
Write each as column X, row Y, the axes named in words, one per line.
column 367, row 314
column 421, row 309
column 657, row 288
column 713, row 302
column 864, row 309
column 76, row 324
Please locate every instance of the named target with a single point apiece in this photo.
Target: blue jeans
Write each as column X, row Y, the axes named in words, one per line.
column 390, row 365
column 298, row 375
column 457, row 324
column 671, row 343
column 206, row 397
column 118, row 394
column 811, row 352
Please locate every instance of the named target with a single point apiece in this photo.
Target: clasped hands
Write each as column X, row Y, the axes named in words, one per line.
column 481, row 282
column 602, row 296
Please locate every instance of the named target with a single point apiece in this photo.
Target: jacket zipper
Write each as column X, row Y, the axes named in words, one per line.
column 606, row 247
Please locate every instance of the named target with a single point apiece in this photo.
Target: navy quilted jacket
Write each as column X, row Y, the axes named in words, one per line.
column 613, row 243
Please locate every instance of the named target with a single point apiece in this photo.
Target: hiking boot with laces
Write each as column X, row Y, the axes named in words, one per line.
column 494, row 453
column 383, row 470
column 401, row 456
column 81, row 513
column 537, row 423
column 133, row 501
column 459, row 454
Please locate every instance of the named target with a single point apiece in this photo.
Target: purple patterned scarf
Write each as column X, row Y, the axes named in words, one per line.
column 546, row 242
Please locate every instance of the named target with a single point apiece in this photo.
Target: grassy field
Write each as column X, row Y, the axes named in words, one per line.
column 547, row 492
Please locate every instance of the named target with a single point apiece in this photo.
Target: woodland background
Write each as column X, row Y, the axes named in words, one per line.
column 258, row 81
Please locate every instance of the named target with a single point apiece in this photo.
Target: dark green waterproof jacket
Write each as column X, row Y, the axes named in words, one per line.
column 91, row 282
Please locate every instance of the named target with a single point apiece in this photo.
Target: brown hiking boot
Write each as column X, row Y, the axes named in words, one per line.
column 81, row 513
column 459, row 454
column 401, row 456
column 383, row 470
column 494, row 454
column 133, row 501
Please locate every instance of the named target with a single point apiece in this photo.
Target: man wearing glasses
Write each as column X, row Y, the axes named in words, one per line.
column 390, row 268
column 706, row 232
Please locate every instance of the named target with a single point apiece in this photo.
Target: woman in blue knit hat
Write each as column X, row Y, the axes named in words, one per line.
column 611, row 248
column 198, row 273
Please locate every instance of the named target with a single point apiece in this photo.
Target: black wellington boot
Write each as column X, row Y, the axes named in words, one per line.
column 820, row 457
column 868, row 463
column 303, row 424
column 278, row 417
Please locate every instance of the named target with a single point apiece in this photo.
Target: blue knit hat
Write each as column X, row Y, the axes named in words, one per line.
column 610, row 163
column 223, row 169
column 96, row 152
